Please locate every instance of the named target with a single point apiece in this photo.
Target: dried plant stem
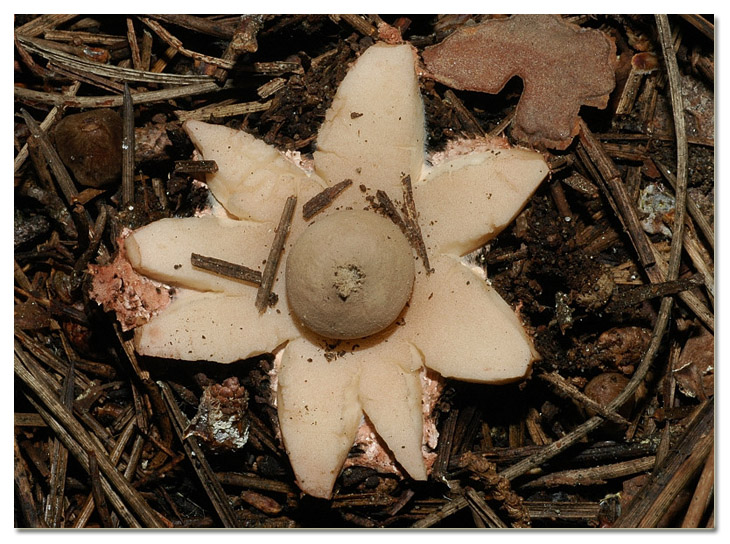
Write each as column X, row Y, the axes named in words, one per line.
column 618, row 197
column 225, row 268
column 127, row 148
column 62, row 176
column 568, row 390
column 563, row 510
column 670, row 59
column 196, row 167
column 24, row 490
column 323, row 199
column 592, row 475
column 701, row 259
column 243, row 40
column 59, row 462
column 253, row 482
column 199, row 24
column 653, row 262
column 79, row 441
column 197, row 458
column 411, row 220
column 272, row 263
column 358, row 23
column 668, row 479
column 478, row 504
column 702, row 495
column 42, row 23
column 221, row 111
column 133, row 45
column 116, row 454
column 49, row 51
column 97, row 492
column 114, row 101
column 172, row 41
column 635, row 295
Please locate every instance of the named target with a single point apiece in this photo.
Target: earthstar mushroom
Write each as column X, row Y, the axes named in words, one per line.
column 454, row 323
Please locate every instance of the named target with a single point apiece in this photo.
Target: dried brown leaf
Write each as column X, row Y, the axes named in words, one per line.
column 561, row 65
column 695, row 368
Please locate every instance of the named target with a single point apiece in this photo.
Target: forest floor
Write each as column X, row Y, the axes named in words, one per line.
column 607, row 292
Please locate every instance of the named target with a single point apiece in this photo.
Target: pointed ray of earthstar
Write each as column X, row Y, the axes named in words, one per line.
column 474, row 191
column 374, row 132
column 319, row 413
column 253, row 178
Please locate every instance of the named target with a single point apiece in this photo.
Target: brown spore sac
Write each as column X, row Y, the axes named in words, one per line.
column 561, row 65
column 90, row 145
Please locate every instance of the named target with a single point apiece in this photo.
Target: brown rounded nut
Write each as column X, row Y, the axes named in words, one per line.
column 606, row 387
column 349, row 275
column 90, row 145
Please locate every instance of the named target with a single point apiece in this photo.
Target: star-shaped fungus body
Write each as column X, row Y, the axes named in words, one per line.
column 454, row 322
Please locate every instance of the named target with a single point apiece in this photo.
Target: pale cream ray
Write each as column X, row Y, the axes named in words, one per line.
column 253, row 179
column 465, row 201
column 214, row 327
column 390, row 393
column 374, row 132
column 319, row 413
column 464, row 329
column 161, row 250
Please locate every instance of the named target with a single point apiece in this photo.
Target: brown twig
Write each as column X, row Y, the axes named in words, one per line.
column 116, row 454
column 225, row 268
column 682, row 463
column 78, row 441
column 59, row 462
column 477, row 503
column 616, row 191
column 272, row 262
column 133, row 45
column 197, row 458
column 566, row 389
column 49, row 51
column 592, row 475
column 702, row 495
column 127, row 148
column 630, row 297
column 358, row 23
column 200, row 24
column 196, row 167
column 243, row 41
column 323, row 199
column 40, row 97
column 175, row 43
column 97, row 492
column 62, row 176
column 223, row 111
column 411, row 220
column 43, row 23
column 24, row 490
